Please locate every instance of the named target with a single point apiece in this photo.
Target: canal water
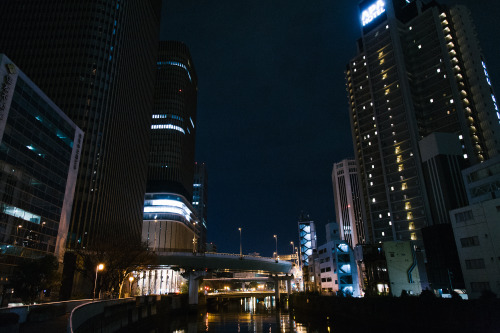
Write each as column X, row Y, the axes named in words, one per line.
column 251, row 314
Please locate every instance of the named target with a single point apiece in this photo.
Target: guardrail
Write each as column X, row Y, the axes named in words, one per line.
column 113, row 315
column 43, row 312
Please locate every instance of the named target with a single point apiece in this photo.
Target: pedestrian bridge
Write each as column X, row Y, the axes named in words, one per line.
column 215, row 261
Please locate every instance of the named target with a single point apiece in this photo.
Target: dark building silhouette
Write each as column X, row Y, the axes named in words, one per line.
column 173, row 132
column 171, row 222
column 200, row 198
column 95, row 59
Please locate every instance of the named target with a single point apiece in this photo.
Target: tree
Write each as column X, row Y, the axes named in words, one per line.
column 120, row 258
column 32, row 276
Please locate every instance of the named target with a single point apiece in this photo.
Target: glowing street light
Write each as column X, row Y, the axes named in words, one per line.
column 240, row 244
column 291, row 243
column 99, row 267
column 130, row 280
column 276, row 239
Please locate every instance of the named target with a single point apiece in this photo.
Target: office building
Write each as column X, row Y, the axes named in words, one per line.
column 418, row 70
column 200, row 199
column 96, row 60
column 477, row 231
column 171, row 222
column 349, row 210
column 40, row 149
column 307, row 252
column 338, row 272
column 171, row 155
column 307, row 238
column 406, row 268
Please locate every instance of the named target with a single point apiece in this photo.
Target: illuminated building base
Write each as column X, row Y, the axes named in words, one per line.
column 158, row 282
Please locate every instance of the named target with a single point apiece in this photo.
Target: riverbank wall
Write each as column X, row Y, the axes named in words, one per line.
column 399, row 314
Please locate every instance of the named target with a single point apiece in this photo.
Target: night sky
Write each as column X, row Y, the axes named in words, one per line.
column 272, row 108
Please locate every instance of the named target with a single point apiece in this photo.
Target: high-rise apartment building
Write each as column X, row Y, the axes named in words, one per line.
column 349, row 209
column 170, row 220
column 419, row 70
column 96, row 60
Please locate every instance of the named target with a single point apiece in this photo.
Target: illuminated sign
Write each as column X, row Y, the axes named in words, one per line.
column 372, row 12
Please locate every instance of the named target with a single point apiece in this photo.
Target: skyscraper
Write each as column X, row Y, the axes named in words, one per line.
column 171, row 155
column 95, row 60
column 349, row 211
column 170, row 220
column 200, row 199
column 419, row 70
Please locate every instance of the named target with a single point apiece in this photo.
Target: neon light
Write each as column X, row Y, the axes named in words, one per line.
column 175, row 63
column 168, row 206
column 372, row 12
column 168, row 126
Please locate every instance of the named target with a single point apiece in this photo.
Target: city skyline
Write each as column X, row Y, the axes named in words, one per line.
column 272, row 109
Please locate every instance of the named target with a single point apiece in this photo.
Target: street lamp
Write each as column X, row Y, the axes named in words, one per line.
column 276, row 239
column 291, row 243
column 17, row 233
column 298, row 258
column 99, row 267
column 241, row 256
column 130, row 280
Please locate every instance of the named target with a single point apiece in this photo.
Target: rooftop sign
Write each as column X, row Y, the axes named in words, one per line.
column 372, row 12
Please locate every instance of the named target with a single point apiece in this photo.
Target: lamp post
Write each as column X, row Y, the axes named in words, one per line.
column 99, row 267
column 17, row 233
column 297, row 251
column 241, row 256
column 276, row 239
column 130, row 280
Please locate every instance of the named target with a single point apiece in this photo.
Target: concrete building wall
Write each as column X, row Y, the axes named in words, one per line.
column 477, row 236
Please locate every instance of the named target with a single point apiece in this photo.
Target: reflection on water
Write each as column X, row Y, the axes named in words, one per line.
column 242, row 315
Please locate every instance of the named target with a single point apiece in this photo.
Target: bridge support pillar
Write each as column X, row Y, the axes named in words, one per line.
column 194, row 279
column 276, row 290
column 288, row 285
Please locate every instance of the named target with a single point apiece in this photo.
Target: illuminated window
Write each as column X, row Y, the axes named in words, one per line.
column 387, row 91
column 384, row 76
column 392, row 188
column 373, row 200
column 411, row 226
column 398, row 149
column 383, row 233
column 399, row 158
column 407, row 205
column 404, row 186
column 400, row 167
column 168, row 126
column 413, row 236
column 382, row 61
column 409, row 215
